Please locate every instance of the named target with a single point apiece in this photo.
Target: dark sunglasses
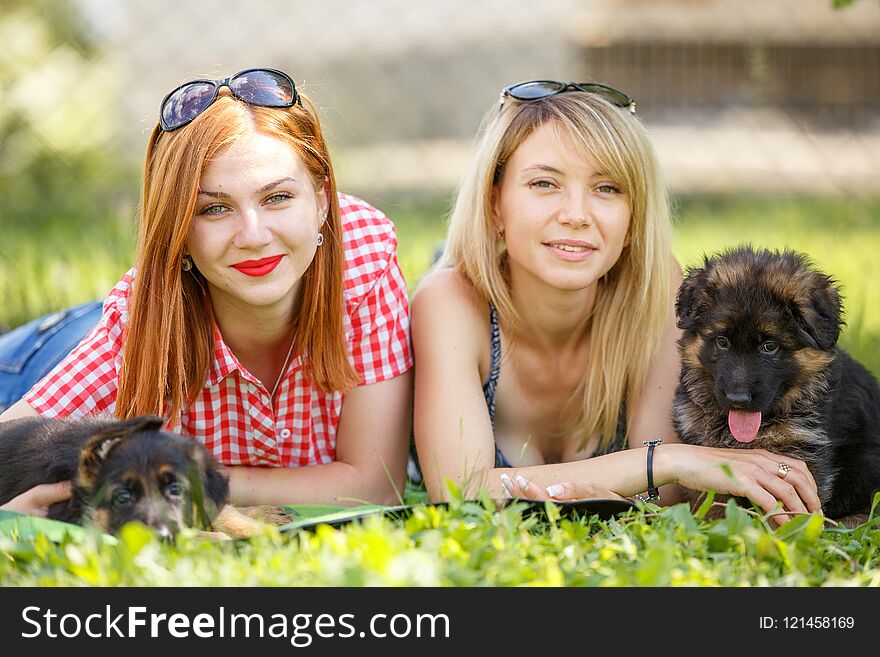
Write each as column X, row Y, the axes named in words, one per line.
column 537, row 89
column 266, row 87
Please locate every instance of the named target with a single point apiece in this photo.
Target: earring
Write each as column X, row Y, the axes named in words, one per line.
column 186, row 263
column 320, row 239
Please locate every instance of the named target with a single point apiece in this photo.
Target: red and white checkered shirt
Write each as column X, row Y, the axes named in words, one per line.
column 233, row 415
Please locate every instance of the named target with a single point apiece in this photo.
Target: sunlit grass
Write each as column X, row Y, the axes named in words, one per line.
column 467, row 544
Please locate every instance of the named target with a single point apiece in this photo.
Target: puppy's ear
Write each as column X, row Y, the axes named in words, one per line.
column 209, row 485
column 104, row 440
column 818, row 312
column 691, row 298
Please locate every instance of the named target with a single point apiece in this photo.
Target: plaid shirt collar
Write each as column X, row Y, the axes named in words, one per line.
column 224, row 363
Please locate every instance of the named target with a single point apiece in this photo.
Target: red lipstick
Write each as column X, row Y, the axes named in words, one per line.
column 259, row 267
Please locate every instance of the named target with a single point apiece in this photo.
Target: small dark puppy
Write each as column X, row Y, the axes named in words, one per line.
column 121, row 470
column 761, row 369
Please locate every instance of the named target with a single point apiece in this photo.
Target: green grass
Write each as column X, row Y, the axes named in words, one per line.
column 467, row 544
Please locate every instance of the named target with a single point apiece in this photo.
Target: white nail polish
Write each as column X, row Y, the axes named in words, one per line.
column 522, row 482
column 506, row 483
column 555, row 489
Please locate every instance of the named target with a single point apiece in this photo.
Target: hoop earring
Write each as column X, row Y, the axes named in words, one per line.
column 320, row 239
column 186, row 263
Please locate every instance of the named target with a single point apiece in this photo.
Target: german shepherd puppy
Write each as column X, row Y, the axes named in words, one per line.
column 123, row 470
column 760, row 369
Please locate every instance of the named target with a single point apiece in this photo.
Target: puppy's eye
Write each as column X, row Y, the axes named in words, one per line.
column 174, row 488
column 722, row 342
column 121, row 497
column 769, row 347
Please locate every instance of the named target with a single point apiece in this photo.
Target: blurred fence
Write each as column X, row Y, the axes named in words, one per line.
column 741, row 95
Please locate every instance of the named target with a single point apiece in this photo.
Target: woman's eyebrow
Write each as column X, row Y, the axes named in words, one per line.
column 264, row 188
column 543, row 167
column 204, row 192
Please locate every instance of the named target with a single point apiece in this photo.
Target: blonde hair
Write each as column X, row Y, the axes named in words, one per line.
column 634, row 297
column 169, row 338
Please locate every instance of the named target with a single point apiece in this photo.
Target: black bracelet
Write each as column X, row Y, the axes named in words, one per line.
column 653, row 492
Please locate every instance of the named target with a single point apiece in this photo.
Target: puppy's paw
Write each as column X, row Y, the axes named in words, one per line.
column 271, row 515
column 214, row 536
column 853, row 521
column 246, row 521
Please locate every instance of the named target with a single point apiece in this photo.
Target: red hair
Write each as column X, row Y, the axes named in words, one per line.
column 169, row 338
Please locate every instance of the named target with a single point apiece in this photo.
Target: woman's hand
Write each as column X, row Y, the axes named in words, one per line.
column 519, row 487
column 756, row 474
column 37, row 500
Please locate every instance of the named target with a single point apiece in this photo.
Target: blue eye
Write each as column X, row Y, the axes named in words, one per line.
column 174, row 488
column 121, row 497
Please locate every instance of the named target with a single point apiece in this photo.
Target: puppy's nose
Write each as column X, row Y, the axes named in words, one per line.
column 738, row 398
column 165, row 534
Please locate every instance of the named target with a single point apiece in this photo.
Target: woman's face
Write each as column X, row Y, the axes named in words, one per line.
column 565, row 221
column 255, row 227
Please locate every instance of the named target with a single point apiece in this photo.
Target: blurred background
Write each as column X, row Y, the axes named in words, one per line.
column 766, row 115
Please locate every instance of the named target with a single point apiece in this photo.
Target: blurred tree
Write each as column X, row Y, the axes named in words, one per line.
column 58, row 109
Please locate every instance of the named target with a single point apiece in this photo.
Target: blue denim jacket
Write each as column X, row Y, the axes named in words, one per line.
column 29, row 352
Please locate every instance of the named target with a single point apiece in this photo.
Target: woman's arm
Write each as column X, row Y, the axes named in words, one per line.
column 372, row 443
column 37, row 500
column 454, row 435
column 19, row 409
column 453, row 432
column 651, row 412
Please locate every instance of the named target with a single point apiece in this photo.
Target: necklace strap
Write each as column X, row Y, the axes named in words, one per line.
column 283, row 369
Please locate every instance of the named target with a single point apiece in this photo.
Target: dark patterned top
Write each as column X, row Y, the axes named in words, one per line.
column 619, row 443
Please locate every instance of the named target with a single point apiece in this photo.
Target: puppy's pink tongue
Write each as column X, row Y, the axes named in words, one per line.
column 744, row 425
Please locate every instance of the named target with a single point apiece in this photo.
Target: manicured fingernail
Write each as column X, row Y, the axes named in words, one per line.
column 506, row 483
column 555, row 489
column 522, row 482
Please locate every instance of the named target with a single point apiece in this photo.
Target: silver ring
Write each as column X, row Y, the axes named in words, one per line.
column 784, row 469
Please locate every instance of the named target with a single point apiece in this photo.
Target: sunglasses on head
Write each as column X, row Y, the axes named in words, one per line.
column 266, row 87
column 538, row 89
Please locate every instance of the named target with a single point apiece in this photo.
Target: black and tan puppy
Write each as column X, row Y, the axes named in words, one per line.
column 123, row 470
column 761, row 369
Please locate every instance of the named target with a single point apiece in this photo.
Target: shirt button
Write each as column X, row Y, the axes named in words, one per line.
column 284, row 433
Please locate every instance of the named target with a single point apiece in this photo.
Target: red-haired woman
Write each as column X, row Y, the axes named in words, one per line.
column 266, row 315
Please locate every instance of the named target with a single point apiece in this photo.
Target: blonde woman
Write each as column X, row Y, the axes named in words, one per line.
column 545, row 338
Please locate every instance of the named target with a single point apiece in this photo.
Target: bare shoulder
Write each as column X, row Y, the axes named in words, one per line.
column 448, row 312
column 446, row 291
column 676, row 274
column 652, row 409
